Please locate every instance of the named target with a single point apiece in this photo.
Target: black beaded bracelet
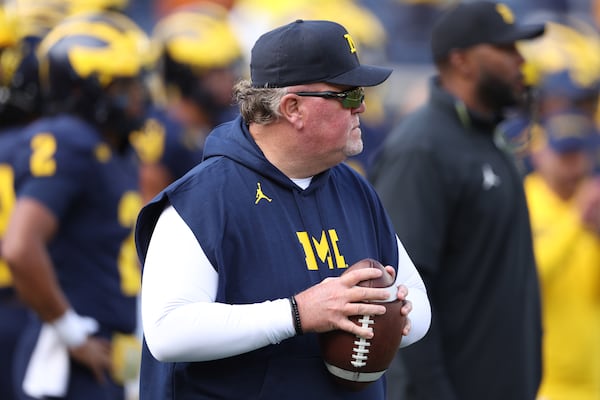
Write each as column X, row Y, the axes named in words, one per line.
column 296, row 316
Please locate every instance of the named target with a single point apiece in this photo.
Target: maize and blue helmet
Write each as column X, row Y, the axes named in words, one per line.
column 23, row 25
column 92, row 64
column 189, row 45
column 574, row 47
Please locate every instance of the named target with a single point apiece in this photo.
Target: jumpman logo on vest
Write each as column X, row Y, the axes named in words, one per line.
column 260, row 195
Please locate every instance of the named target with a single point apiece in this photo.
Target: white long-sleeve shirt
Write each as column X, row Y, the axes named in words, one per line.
column 182, row 321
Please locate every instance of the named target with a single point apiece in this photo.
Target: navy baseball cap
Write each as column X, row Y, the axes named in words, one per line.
column 571, row 130
column 482, row 22
column 308, row 52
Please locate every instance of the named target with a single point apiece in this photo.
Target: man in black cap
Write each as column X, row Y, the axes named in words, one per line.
column 456, row 200
column 243, row 256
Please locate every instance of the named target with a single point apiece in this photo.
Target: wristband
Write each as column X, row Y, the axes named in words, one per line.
column 73, row 329
column 296, row 316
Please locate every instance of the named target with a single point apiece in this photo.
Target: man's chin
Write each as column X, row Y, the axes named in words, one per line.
column 354, row 149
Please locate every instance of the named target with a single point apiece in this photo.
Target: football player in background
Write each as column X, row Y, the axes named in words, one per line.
column 69, row 243
column 22, row 25
column 198, row 61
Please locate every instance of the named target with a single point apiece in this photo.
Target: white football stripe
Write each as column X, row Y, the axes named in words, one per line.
column 354, row 376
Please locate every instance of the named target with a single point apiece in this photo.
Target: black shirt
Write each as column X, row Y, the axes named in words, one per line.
column 457, row 202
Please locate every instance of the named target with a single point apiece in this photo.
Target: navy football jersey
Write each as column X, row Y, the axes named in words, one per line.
column 9, row 140
column 93, row 191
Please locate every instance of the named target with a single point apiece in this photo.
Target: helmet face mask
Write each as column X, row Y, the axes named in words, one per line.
column 19, row 90
column 20, row 99
column 208, row 89
column 122, row 110
column 23, row 23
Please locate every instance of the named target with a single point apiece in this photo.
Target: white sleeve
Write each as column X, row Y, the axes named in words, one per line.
column 420, row 316
column 180, row 318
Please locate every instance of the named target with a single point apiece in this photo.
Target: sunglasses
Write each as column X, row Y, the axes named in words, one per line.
column 351, row 98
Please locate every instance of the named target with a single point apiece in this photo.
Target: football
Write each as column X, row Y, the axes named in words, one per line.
column 354, row 362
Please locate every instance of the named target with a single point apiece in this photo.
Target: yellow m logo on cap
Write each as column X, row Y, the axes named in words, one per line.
column 350, row 43
column 506, row 13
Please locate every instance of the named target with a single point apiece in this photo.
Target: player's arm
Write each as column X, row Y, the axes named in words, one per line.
column 45, row 166
column 24, row 247
column 31, row 226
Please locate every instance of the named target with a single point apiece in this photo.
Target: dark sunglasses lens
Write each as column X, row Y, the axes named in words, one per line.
column 354, row 98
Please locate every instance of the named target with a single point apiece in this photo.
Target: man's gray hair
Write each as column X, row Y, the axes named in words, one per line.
column 258, row 105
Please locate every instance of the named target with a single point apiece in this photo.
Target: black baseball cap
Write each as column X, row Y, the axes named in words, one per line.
column 308, row 52
column 482, row 22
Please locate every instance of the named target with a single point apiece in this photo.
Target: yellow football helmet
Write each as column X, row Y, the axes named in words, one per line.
column 194, row 47
column 84, row 58
column 574, row 47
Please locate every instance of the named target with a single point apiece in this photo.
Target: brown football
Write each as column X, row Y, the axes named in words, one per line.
column 354, row 362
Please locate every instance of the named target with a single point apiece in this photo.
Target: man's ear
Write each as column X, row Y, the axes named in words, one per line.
column 291, row 110
column 460, row 61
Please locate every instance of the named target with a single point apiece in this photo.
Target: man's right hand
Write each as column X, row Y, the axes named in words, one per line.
column 94, row 353
column 329, row 304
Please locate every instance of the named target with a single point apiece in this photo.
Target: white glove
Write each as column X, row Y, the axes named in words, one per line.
column 73, row 329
